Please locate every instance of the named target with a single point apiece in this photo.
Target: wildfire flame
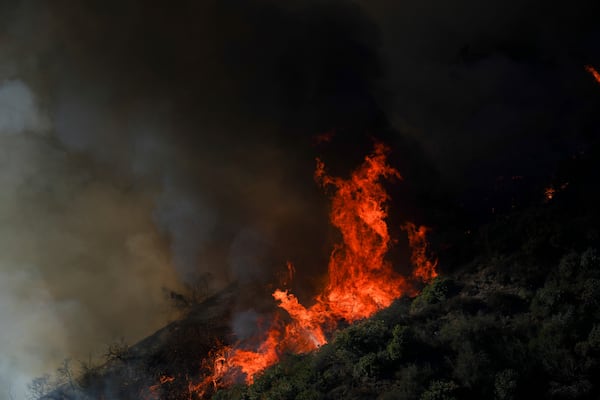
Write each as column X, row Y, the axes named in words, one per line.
column 360, row 280
column 424, row 267
column 154, row 389
column 549, row 193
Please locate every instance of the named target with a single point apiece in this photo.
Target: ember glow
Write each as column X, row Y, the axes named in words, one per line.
column 594, row 72
column 549, row 193
column 360, row 280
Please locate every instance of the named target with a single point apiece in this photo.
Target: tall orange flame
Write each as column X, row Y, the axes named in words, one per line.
column 360, row 280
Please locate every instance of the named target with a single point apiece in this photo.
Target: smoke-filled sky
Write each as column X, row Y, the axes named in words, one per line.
column 144, row 144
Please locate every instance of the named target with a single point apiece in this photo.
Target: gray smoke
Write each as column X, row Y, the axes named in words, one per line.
column 81, row 262
column 18, row 111
column 189, row 224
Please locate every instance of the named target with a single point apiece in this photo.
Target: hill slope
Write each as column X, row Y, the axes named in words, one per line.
column 519, row 320
column 516, row 316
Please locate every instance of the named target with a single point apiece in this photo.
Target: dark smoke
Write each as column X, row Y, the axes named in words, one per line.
column 146, row 145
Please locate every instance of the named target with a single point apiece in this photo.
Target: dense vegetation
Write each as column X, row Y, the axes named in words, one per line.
column 457, row 340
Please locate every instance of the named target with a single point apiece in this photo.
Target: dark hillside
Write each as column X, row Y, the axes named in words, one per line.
column 517, row 319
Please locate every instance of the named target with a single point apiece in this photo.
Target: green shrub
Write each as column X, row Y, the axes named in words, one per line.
column 436, row 292
column 364, row 337
column 594, row 338
column 309, row 394
column 397, row 346
column 472, row 366
column 590, row 293
column 368, row 366
column 590, row 261
column 505, row 385
column 408, row 383
column 440, row 390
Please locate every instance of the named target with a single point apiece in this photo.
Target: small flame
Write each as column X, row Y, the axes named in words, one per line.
column 154, row 393
column 291, row 271
column 594, row 72
column 425, row 267
column 549, row 193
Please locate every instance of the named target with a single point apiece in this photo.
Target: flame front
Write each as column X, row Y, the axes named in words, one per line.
column 360, row 280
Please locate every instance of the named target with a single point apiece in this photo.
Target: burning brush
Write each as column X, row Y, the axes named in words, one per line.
column 360, row 280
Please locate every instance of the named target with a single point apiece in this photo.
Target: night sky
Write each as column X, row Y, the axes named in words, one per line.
column 146, row 144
